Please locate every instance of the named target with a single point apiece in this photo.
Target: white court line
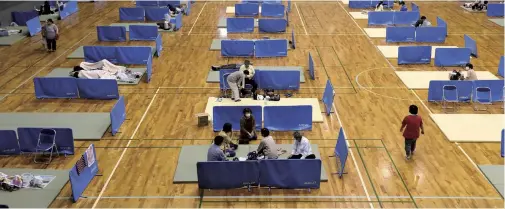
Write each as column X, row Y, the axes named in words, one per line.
column 470, row 159
column 124, row 151
column 352, row 155
column 300, row 15
column 42, row 68
column 286, row 197
column 197, row 18
column 425, row 106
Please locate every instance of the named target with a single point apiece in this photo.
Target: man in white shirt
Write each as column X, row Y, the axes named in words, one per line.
column 301, row 148
column 250, row 78
column 470, row 73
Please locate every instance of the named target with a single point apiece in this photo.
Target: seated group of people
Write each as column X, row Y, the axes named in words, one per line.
column 456, row 75
column 477, row 5
column 103, row 70
column 46, row 9
column 172, row 12
column 380, row 6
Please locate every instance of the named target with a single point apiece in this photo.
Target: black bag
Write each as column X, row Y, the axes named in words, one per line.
column 252, row 156
column 275, row 97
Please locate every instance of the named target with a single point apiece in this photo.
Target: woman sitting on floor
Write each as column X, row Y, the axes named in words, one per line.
column 166, row 24
column 103, row 70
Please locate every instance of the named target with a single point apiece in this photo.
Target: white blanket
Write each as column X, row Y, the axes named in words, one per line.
column 104, row 69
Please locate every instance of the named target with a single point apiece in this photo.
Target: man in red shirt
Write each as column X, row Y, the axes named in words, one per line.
column 412, row 123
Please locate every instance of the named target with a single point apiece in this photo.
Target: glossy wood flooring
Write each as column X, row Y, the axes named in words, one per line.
column 139, row 163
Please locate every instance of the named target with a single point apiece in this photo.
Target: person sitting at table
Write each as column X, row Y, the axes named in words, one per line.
column 301, row 147
column 267, row 145
column 227, row 134
column 215, row 153
column 247, row 127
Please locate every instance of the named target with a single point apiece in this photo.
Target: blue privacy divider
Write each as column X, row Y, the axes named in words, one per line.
column 341, row 150
column 293, row 39
column 143, row 32
column 414, row 7
column 406, row 18
column 495, row 10
column 232, row 175
column 149, row 67
column 21, row 18
column 442, row 23
column 328, row 96
column 155, row 14
column 431, row 34
column 111, row 33
column 178, row 21
column 272, row 10
column 133, row 55
column 452, row 56
column 70, row 8
column 281, row 118
column 28, row 138
column 143, row 3
column 117, row 115
column 159, row 45
column 47, row 88
column 271, row 48
column 79, row 181
column 272, row 25
column 414, row 55
column 496, row 87
column 188, row 9
column 471, row 44
column 9, row 145
column 166, row 3
column 381, row 18
column 501, row 66
column 289, row 6
column 97, row 53
column 290, row 174
column 232, row 114
column 278, row 79
column 272, row 1
column 435, row 90
column 98, row 88
column 359, row 4
column 400, row 34
column 312, row 73
column 34, row 26
column 502, row 149
column 247, row 10
column 132, row 14
column 239, row 25
column 237, row 48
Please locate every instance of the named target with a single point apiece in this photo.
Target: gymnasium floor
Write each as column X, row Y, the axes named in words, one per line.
column 139, row 163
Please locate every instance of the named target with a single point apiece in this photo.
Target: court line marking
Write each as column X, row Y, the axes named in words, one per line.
column 300, row 16
column 42, row 68
column 286, row 197
column 189, row 33
column 124, row 151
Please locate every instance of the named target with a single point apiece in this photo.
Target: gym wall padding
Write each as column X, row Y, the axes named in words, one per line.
column 281, row 118
column 240, row 25
column 143, row 32
column 452, row 56
column 232, row 114
column 111, row 33
column 328, row 96
column 79, row 181
column 495, row 10
column 273, row 10
column 414, row 55
column 247, row 10
column 400, row 34
column 431, row 34
column 272, row 25
column 131, row 14
column 34, row 26
column 342, row 151
column 69, row 9
column 471, row 44
column 117, row 115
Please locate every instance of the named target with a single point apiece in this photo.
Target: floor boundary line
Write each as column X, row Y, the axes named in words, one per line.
column 301, row 19
column 286, row 197
column 189, row 33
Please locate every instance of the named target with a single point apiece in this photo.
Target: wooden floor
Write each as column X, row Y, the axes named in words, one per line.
column 139, row 163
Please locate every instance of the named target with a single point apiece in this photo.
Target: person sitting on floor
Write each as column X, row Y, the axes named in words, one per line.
column 44, row 9
column 456, row 75
column 267, row 145
column 215, row 153
column 301, row 148
column 166, row 24
column 247, row 127
column 403, row 8
column 227, row 134
column 480, row 6
column 470, row 73
column 422, row 22
column 379, row 7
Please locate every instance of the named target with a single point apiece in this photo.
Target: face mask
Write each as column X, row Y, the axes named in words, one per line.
column 248, row 115
column 467, row 68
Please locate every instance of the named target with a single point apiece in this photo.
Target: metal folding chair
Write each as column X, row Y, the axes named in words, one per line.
column 225, row 89
column 450, row 96
column 482, row 97
column 46, row 143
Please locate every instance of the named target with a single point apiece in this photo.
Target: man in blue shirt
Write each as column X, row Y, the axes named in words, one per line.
column 403, row 7
column 215, row 153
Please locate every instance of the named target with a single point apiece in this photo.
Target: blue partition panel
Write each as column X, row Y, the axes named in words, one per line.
column 414, row 55
column 232, row 175
column 248, row 10
column 414, row 7
column 495, row 10
column 159, row 45
column 341, row 150
column 9, row 145
column 97, row 53
column 359, row 4
column 117, row 115
column 155, row 14
column 232, row 114
column 442, row 23
column 435, row 90
column 79, row 181
column 312, row 72
column 471, row 44
column 143, row 32
column 400, row 34
column 278, row 79
column 502, row 149
column 149, row 70
column 70, row 8
column 272, row 1
column 501, row 67
column 131, row 14
column 133, row 55
column 237, row 48
column 46, row 88
column 34, row 26
column 98, row 88
column 28, row 138
column 271, row 48
column 272, row 10
column 178, row 21
column 381, row 18
column 430, row 34
column 143, row 3
column 272, row 25
column 328, row 96
column 290, row 174
column 111, row 33
column 387, row 4
column 496, row 87
column 281, row 118
column 289, row 6
column 21, row 18
column 406, row 18
column 239, row 25
column 452, row 56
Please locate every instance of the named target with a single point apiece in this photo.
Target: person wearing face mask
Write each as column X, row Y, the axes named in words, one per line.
column 247, row 127
column 301, row 148
column 470, row 73
column 51, row 33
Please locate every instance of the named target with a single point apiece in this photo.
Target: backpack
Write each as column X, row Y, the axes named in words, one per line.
column 252, row 156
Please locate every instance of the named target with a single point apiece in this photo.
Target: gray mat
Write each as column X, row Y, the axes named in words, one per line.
column 127, row 25
column 495, row 175
column 54, row 16
column 190, row 155
column 470, row 10
column 12, row 39
column 88, row 126
column 34, row 198
column 213, row 76
column 222, row 23
column 79, row 53
column 216, row 43
column 64, row 72
column 498, row 21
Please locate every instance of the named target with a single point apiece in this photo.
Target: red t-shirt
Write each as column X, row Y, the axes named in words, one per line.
column 413, row 124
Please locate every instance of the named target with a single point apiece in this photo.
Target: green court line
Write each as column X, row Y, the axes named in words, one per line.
column 399, row 174
column 368, row 175
column 311, row 201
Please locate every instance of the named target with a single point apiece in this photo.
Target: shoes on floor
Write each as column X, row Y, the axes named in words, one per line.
column 238, row 100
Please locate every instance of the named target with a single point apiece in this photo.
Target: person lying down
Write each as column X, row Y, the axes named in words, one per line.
column 104, row 70
column 5, row 32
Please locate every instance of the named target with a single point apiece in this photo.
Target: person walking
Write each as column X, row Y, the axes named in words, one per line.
column 412, row 124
